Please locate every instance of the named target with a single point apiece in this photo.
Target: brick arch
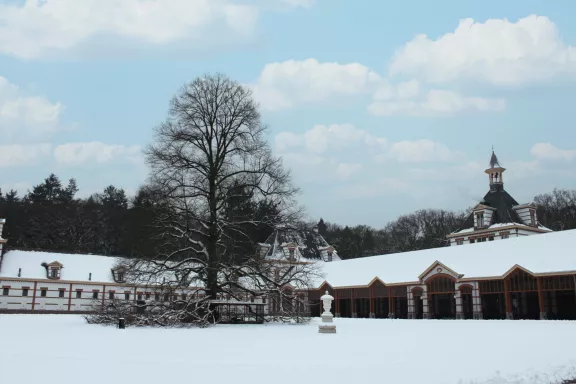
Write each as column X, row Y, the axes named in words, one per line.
column 441, row 283
column 466, row 288
column 417, row 291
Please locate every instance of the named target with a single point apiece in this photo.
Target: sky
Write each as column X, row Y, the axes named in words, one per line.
column 378, row 108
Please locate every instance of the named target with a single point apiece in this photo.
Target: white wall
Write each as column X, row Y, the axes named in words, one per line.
column 70, row 302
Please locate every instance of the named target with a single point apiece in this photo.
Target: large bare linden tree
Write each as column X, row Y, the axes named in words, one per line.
column 217, row 184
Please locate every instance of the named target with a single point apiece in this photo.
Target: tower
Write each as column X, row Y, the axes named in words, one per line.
column 495, row 174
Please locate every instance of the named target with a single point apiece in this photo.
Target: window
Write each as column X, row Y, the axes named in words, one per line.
column 43, row 292
column 480, row 219
column 291, row 253
column 157, row 296
column 78, row 293
column 61, row 292
column 263, row 300
column 5, row 291
column 481, row 240
column 147, row 296
column 184, row 298
column 120, row 275
column 505, row 235
column 329, row 256
column 95, row 294
column 140, row 296
column 472, row 241
column 491, row 238
column 459, row 241
column 166, row 297
column 252, row 299
column 53, row 273
column 25, row 291
column 111, row 295
column 532, row 217
column 127, row 296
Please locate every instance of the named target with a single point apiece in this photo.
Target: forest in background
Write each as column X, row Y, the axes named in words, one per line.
column 51, row 218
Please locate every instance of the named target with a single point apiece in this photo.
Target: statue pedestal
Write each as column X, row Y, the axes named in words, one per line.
column 327, row 325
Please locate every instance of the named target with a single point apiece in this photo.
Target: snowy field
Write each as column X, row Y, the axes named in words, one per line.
column 62, row 349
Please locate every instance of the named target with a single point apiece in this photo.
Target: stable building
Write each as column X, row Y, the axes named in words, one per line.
column 531, row 277
column 498, row 216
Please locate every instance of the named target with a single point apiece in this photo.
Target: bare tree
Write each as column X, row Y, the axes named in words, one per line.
column 557, row 210
column 217, row 180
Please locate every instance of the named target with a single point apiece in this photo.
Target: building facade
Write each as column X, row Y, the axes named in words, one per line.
column 532, row 277
column 498, row 216
column 63, row 283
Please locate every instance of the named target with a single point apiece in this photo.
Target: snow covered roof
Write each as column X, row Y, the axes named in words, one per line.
column 76, row 267
column 501, row 225
column 546, row 253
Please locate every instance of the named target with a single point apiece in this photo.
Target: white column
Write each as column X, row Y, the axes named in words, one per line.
column 411, row 309
column 459, row 309
column 425, row 311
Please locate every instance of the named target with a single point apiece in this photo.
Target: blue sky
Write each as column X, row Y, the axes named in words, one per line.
column 374, row 118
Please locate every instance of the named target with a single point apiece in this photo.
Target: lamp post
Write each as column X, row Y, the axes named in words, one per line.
column 327, row 325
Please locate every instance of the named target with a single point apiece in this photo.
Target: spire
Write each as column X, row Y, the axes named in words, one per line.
column 495, row 173
column 494, row 160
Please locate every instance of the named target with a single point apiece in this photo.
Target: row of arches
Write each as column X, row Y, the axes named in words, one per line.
column 518, row 295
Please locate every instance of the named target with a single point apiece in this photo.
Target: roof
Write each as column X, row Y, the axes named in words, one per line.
column 76, row 267
column 498, row 226
column 310, row 244
column 504, row 205
column 545, row 253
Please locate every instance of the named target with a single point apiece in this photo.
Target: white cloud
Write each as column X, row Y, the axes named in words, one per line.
column 12, row 155
column 345, row 170
column 25, row 115
column 96, row 152
column 407, row 98
column 41, row 28
column 290, row 83
column 421, row 151
column 497, row 51
column 547, row 151
column 327, row 138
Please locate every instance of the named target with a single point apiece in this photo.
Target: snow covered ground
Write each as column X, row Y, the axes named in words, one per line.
column 61, row 349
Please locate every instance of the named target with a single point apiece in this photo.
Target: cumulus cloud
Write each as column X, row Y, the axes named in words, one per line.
column 292, row 83
column 26, row 115
column 547, row 151
column 23, row 154
column 421, row 151
column 39, row 28
column 328, row 151
column 496, row 51
column 327, row 138
column 407, row 98
column 96, row 152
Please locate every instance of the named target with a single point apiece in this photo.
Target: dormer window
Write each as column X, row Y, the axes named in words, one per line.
column 119, row 274
column 532, row 217
column 291, row 250
column 53, row 270
column 479, row 219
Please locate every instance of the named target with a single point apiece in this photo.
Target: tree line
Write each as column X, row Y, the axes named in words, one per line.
column 427, row 228
column 50, row 217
